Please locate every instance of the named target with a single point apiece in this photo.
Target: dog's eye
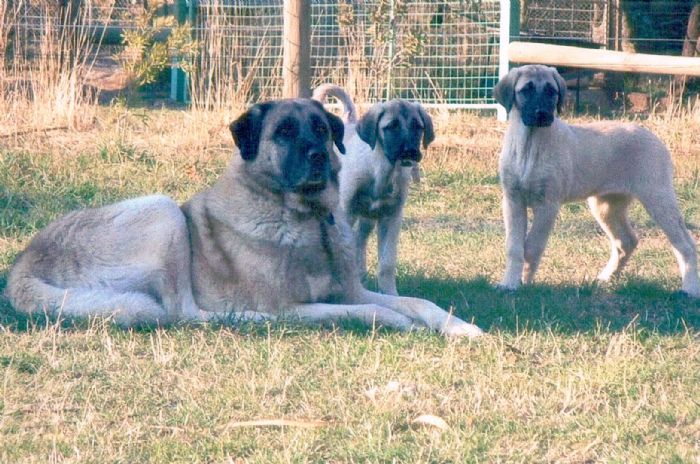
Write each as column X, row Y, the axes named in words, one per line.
column 288, row 130
column 527, row 88
column 321, row 129
column 416, row 126
column 393, row 125
column 550, row 90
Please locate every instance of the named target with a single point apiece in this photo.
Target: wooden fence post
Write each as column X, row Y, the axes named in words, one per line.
column 296, row 63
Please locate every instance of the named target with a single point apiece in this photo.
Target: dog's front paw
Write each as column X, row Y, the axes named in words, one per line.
column 685, row 294
column 459, row 328
column 506, row 287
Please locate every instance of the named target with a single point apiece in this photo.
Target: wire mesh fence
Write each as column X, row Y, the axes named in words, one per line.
column 566, row 20
column 25, row 23
column 439, row 52
column 645, row 26
column 443, row 52
column 240, row 45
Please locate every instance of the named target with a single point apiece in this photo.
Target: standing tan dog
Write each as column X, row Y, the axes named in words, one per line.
column 546, row 162
column 265, row 241
column 383, row 152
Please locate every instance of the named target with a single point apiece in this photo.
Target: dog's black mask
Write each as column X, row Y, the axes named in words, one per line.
column 296, row 133
column 400, row 127
column 537, row 104
column 535, row 90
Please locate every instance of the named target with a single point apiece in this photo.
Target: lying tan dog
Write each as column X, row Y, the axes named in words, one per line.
column 266, row 241
column 546, row 162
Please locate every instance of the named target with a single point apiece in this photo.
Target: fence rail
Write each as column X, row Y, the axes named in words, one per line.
column 445, row 53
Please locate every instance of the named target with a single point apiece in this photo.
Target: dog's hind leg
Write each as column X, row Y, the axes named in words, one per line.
column 662, row 207
column 35, row 296
column 173, row 284
column 611, row 212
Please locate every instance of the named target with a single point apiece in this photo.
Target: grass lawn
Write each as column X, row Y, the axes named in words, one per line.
column 571, row 371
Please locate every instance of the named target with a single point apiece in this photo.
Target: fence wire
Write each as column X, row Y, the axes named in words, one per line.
column 644, row 26
column 26, row 26
column 439, row 52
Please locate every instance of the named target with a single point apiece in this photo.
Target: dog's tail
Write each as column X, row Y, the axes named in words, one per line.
column 349, row 111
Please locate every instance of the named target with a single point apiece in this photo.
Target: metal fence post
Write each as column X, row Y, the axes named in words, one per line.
column 504, row 40
column 178, row 78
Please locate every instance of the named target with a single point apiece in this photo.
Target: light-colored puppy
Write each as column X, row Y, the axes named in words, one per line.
column 265, row 241
column 546, row 162
column 383, row 152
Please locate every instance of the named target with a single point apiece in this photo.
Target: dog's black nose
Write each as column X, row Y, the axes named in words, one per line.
column 318, row 168
column 411, row 154
column 316, row 158
column 543, row 118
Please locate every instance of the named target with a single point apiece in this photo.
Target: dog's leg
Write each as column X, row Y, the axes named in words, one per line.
column 368, row 314
column 663, row 208
column 387, row 240
column 515, row 219
column 363, row 229
column 543, row 217
column 175, row 283
column 422, row 311
column 611, row 213
column 127, row 309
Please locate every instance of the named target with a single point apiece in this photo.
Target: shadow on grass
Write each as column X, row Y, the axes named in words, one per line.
column 561, row 308
column 558, row 308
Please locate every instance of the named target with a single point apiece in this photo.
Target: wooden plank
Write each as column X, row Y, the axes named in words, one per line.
column 576, row 57
column 296, row 62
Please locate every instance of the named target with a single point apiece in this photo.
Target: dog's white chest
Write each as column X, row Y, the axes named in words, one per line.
column 525, row 170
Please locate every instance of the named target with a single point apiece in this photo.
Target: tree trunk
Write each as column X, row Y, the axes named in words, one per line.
column 691, row 44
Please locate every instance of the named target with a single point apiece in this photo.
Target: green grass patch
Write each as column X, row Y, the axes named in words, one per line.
column 571, row 370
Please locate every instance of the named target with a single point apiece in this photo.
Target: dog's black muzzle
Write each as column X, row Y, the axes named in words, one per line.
column 539, row 119
column 410, row 156
column 318, row 172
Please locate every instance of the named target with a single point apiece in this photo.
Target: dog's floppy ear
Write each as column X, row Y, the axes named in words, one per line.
column 338, row 130
column 367, row 126
column 428, row 132
column 337, row 126
column 561, row 84
column 246, row 130
column 504, row 92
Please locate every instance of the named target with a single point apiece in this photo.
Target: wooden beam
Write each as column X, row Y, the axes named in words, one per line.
column 296, row 62
column 576, row 57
